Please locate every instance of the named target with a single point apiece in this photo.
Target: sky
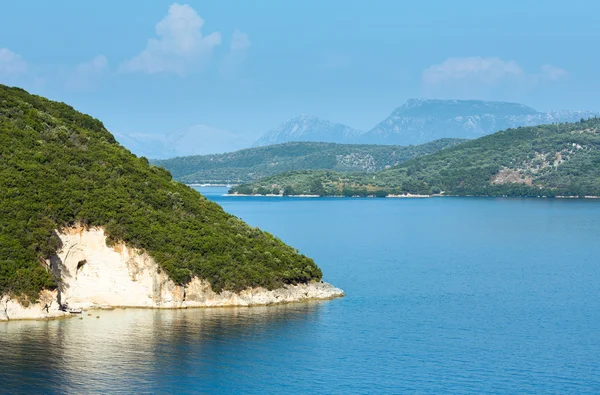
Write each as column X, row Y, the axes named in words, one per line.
column 235, row 69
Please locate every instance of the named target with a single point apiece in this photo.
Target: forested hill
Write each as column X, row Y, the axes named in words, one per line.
column 59, row 168
column 547, row 160
column 255, row 163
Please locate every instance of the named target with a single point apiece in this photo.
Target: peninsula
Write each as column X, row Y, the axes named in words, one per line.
column 87, row 224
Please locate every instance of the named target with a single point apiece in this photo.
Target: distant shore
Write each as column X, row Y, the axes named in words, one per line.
column 212, row 185
column 274, row 195
column 405, row 196
column 411, row 196
column 327, row 196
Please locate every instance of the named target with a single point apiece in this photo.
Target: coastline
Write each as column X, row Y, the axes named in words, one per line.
column 253, row 297
column 212, row 185
column 95, row 276
column 411, row 196
column 274, row 195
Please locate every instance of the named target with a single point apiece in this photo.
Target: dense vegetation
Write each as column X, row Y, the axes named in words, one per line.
column 60, row 168
column 547, row 160
column 256, row 163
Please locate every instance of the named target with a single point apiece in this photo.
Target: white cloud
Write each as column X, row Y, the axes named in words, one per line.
column 234, row 59
column 86, row 74
column 488, row 71
column 552, row 73
column 11, row 63
column 485, row 78
column 180, row 44
column 97, row 65
column 239, row 41
column 15, row 70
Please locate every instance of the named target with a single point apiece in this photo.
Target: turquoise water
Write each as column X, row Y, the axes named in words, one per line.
column 447, row 295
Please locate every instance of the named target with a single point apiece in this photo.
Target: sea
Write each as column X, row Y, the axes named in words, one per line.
column 443, row 296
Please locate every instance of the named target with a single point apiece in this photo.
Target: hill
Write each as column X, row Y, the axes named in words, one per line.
column 255, row 163
column 60, row 168
column 545, row 160
column 308, row 128
column 419, row 121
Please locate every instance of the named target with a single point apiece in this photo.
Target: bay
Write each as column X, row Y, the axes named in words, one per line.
column 444, row 295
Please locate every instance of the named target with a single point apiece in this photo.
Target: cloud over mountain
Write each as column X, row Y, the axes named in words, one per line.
column 485, row 71
column 179, row 45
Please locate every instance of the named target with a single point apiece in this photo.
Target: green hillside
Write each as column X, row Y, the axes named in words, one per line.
column 59, row 167
column 256, row 163
column 546, row 160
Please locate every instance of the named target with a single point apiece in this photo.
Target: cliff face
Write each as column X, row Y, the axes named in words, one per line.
column 46, row 308
column 94, row 275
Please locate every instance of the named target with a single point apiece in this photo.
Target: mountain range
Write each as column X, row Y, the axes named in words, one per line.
column 420, row 121
column 416, row 122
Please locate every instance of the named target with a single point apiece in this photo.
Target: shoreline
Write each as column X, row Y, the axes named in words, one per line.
column 275, row 195
column 411, row 196
column 92, row 275
column 252, row 297
column 212, row 185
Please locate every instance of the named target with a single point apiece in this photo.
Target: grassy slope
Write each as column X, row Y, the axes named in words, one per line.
column 255, row 163
column 544, row 160
column 59, row 167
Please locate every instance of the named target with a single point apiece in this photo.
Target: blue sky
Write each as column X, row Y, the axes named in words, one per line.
column 242, row 67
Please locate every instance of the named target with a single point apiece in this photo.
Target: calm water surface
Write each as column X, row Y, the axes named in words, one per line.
column 443, row 295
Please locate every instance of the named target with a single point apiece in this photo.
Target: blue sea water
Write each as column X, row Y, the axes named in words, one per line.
column 444, row 295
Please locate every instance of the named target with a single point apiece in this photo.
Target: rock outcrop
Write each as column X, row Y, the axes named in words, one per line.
column 94, row 275
column 46, row 308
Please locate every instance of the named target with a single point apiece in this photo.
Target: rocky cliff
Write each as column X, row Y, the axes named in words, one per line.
column 94, row 275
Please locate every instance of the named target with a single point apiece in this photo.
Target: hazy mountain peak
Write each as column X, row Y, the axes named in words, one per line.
column 421, row 120
column 439, row 107
column 307, row 128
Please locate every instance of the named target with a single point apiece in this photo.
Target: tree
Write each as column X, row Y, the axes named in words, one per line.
column 316, row 188
column 288, row 190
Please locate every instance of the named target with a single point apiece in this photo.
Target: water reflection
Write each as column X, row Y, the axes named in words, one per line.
column 132, row 350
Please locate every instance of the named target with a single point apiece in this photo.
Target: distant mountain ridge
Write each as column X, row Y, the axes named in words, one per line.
column 420, row 121
column 308, row 128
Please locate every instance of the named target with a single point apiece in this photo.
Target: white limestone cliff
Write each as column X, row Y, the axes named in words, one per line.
column 94, row 275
